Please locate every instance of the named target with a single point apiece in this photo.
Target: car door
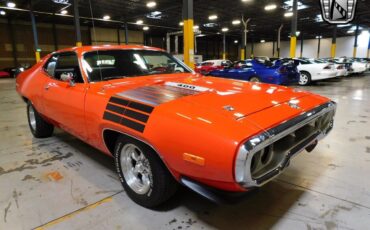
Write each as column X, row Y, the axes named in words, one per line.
column 63, row 98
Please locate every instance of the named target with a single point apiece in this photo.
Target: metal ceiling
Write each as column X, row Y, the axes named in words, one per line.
column 263, row 24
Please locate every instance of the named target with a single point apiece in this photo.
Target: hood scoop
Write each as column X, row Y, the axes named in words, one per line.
column 159, row 94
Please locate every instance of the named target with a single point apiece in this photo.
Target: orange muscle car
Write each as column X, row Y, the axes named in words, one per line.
column 165, row 124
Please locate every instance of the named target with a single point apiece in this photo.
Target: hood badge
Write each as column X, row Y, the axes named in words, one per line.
column 294, row 104
column 229, row 108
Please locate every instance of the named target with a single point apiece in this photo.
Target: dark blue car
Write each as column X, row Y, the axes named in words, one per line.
column 280, row 73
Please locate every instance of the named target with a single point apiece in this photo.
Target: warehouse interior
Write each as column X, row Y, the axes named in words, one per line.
column 62, row 182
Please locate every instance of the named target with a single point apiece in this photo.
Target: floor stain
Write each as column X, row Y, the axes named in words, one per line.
column 352, row 139
column 29, row 177
column 367, row 137
column 334, row 166
column 15, row 197
column 330, row 225
column 172, row 221
column 349, row 122
column 368, row 149
column 58, row 157
column 18, row 169
column 6, row 210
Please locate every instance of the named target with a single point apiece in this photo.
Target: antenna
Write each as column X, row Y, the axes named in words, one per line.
column 94, row 31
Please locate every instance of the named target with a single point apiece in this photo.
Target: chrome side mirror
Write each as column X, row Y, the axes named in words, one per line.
column 68, row 77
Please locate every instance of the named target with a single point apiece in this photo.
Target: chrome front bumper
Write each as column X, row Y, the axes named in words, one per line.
column 278, row 145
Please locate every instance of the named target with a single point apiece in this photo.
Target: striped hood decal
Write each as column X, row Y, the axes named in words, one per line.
column 132, row 108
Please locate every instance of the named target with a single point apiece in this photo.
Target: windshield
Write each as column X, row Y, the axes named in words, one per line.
column 116, row 64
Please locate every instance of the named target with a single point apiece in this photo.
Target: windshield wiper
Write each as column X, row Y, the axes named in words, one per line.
column 114, row 77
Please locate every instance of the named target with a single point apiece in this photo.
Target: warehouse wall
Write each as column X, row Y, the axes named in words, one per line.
column 65, row 38
column 310, row 47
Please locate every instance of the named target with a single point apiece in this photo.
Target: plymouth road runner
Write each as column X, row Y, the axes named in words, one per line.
column 165, row 126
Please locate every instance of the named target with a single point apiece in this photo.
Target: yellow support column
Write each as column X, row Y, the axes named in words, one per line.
column 37, row 56
column 333, row 50
column 355, row 52
column 293, row 46
column 78, row 44
column 189, row 43
column 242, row 54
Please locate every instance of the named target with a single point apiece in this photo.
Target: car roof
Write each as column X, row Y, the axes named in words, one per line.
column 83, row 49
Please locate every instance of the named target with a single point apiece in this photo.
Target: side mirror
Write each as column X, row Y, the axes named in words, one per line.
column 68, row 77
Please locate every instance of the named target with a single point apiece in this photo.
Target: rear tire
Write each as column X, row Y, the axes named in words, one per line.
column 305, row 78
column 255, row 79
column 39, row 127
column 143, row 175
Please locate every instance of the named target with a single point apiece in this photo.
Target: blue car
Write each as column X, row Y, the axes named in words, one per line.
column 279, row 73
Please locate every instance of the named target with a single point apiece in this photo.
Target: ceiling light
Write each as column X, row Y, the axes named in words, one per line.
column 212, row 17
column 270, row 7
column 344, row 25
column 106, row 17
column 318, row 37
column 236, row 41
column 236, row 22
column 145, row 28
column 200, row 35
column 288, row 14
column 225, row 29
column 64, row 12
column 181, row 24
column 11, row 5
column 263, row 41
column 350, row 31
column 297, row 33
column 151, row 4
column 2, row 12
column 139, row 22
column 246, row 0
column 195, row 27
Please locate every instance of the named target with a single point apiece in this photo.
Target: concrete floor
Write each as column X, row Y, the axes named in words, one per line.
column 62, row 183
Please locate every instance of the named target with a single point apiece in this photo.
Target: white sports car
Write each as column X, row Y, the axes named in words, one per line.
column 311, row 71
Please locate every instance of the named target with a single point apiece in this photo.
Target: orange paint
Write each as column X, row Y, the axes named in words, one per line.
column 199, row 123
column 54, row 176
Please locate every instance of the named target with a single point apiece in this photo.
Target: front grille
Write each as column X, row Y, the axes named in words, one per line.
column 267, row 154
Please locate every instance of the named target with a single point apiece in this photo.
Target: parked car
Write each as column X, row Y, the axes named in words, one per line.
column 261, row 71
column 346, row 63
column 4, row 74
column 311, row 71
column 342, row 71
column 207, row 66
column 14, row 71
column 163, row 127
column 358, row 66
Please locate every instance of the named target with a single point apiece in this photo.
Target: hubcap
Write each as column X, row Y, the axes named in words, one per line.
column 303, row 80
column 136, row 169
column 254, row 79
column 32, row 118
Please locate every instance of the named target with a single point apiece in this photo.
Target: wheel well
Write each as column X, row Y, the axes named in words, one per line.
column 25, row 99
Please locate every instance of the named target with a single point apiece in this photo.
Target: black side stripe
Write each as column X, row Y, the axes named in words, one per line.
column 131, row 104
column 123, row 121
column 112, row 117
column 133, row 125
column 119, row 101
column 128, row 113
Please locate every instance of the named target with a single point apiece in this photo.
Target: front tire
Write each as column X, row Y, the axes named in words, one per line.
column 39, row 127
column 255, row 79
column 305, row 78
column 143, row 175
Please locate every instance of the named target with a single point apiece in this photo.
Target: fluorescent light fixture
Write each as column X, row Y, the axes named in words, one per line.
column 236, row 22
column 225, row 29
column 11, row 5
column 64, row 12
column 288, row 14
column 236, row 41
column 106, row 17
column 297, row 33
column 181, row 24
column 139, row 22
column 200, row 35
column 270, row 7
column 213, row 17
column 344, row 25
column 350, row 31
column 263, row 41
column 151, row 4
column 246, row 0
column 2, row 12
column 318, row 37
column 145, row 28
column 196, row 27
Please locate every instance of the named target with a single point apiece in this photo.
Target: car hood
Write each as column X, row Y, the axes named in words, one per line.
column 222, row 96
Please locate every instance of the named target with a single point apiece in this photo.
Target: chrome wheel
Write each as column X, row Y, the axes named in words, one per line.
column 303, row 80
column 32, row 117
column 255, row 79
column 136, row 169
